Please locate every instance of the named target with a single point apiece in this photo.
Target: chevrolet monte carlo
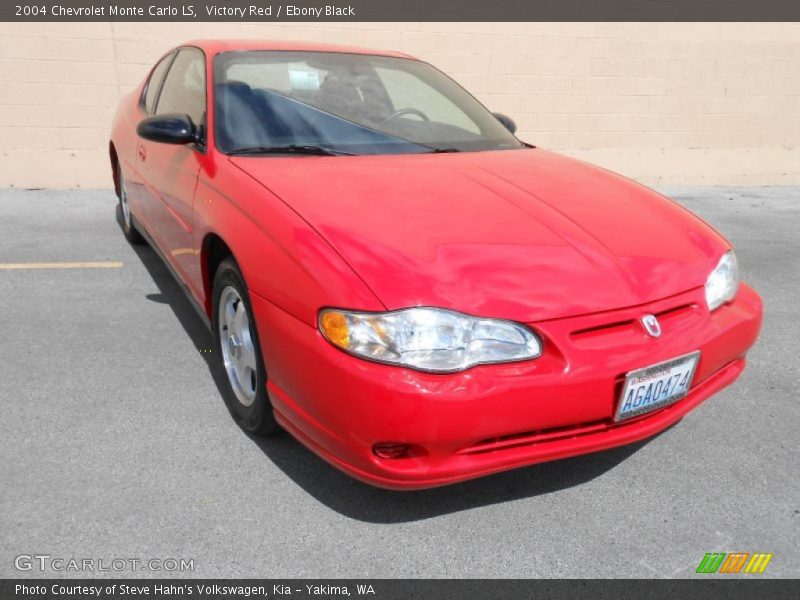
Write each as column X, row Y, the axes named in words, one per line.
column 402, row 284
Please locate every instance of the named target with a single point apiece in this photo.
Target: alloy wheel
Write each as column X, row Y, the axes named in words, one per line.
column 238, row 351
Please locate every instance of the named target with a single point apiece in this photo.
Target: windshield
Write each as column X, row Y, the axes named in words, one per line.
column 346, row 103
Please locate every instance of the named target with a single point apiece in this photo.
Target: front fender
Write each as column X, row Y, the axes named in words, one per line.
column 283, row 259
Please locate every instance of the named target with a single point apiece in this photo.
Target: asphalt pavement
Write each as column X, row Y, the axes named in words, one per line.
column 115, row 442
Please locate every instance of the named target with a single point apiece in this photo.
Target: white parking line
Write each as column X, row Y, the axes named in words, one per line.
column 61, row 265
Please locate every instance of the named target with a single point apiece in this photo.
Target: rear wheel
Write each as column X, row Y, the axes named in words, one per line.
column 236, row 340
column 128, row 228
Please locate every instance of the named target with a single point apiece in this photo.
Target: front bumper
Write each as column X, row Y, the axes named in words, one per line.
column 496, row 417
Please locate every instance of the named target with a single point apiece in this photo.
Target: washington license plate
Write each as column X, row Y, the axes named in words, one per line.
column 650, row 388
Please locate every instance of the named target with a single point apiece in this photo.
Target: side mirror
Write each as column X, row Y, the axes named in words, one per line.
column 507, row 122
column 168, row 129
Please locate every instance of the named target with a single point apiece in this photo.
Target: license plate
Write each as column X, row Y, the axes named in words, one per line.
column 650, row 388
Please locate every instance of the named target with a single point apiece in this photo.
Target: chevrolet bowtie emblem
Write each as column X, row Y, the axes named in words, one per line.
column 651, row 325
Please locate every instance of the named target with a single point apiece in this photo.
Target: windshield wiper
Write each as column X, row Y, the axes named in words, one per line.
column 289, row 149
column 440, row 150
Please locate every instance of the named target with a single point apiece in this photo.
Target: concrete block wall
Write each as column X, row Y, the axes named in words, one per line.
column 664, row 103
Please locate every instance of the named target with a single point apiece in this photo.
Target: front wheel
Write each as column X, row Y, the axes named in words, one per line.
column 236, row 340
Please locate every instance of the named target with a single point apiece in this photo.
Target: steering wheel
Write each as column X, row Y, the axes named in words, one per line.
column 408, row 111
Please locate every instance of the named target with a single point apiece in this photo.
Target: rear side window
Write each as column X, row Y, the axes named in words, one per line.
column 184, row 89
column 155, row 82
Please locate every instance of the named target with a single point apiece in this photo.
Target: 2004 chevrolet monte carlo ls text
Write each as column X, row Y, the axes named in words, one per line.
column 394, row 278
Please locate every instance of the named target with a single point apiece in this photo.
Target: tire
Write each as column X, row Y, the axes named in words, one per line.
column 128, row 228
column 239, row 352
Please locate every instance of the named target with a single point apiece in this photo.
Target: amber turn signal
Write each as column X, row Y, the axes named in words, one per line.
column 335, row 328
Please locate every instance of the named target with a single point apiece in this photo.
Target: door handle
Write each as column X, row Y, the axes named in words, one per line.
column 142, row 153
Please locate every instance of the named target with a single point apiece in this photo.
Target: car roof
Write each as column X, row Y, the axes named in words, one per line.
column 215, row 46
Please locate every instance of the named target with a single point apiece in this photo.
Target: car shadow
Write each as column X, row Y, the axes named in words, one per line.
column 357, row 500
column 363, row 502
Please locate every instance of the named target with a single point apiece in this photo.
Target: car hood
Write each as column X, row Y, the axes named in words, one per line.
column 522, row 234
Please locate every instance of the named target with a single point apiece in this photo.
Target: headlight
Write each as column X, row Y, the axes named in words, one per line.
column 723, row 283
column 428, row 339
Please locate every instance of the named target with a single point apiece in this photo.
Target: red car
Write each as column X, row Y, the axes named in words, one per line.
column 398, row 281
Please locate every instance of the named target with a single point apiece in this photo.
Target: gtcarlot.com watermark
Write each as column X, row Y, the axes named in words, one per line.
column 58, row 564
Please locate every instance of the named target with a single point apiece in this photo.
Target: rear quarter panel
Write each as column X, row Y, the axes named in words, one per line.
column 124, row 140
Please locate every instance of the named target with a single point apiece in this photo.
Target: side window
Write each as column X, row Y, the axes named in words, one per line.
column 184, row 89
column 154, row 82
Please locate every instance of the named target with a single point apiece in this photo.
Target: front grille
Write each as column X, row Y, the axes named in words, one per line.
column 628, row 325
